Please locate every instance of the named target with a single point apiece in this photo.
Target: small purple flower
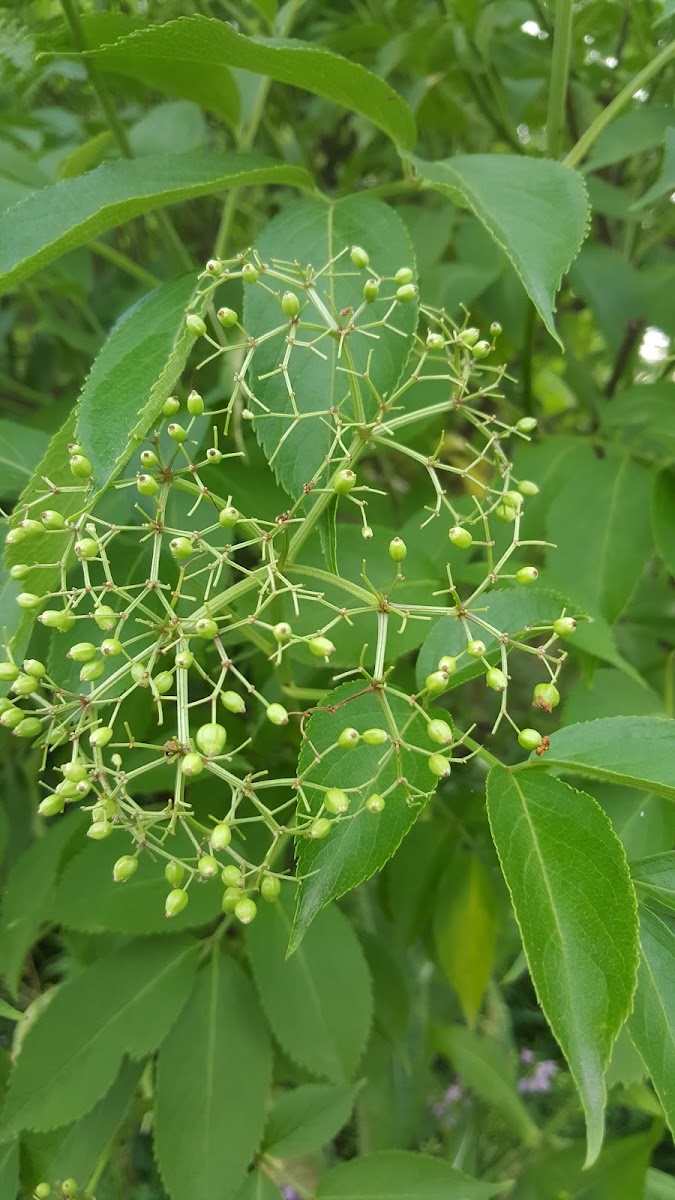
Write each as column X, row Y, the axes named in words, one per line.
column 527, row 1056
column 289, row 1193
column 453, row 1094
column 540, row 1079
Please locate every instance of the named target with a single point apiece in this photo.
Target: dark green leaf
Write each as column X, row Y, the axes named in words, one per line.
column 665, row 184
column 662, row 518
column 639, row 419
column 302, row 995
column 575, row 905
column 391, row 992
column 411, row 876
column 486, row 1069
column 202, row 47
column 655, row 879
column 652, row 1022
column 612, row 287
column 124, row 1003
column 21, row 448
column 402, row 1175
column 465, row 930
column 212, row 1083
column 634, row 751
column 631, row 133
column 357, row 847
column 56, row 219
column 536, row 211
column 619, row 1173
column 306, row 1118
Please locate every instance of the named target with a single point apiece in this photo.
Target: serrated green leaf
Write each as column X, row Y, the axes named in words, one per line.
column 56, row 219
column 21, row 448
column 122, row 1004
column 651, row 1024
column 402, row 1175
column 663, row 522
column 307, row 1117
column 465, row 930
column 654, row 879
column 485, row 1068
column 302, row 995
column 202, row 45
column 574, row 902
column 536, row 210
column 212, row 1083
column 356, row 848
column 633, row 751
column 313, row 232
column 514, row 611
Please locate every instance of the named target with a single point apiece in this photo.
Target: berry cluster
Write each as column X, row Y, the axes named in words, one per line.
column 160, row 612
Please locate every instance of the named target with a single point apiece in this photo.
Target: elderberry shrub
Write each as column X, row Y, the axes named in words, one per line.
column 214, row 581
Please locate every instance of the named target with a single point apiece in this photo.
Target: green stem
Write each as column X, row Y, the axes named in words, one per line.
column 579, row 152
column 124, row 263
column 560, row 69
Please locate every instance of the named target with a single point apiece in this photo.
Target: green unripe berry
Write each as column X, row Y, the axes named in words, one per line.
column 231, row 898
column 24, row 685
column 440, row 732
column 206, row 628
column 11, row 717
column 564, row 626
column 176, row 432
column 82, row 652
column 514, row 499
column 14, row 537
column 481, row 349
column 28, row 600
column 546, row 696
column 359, row 257
column 147, row 485
column 195, row 404
column 439, row 765
column 249, row 273
column 171, row 406
column 149, row 459
column 320, row 828
column 495, row 329
column 366, row 533
column 460, row 537
column 111, row 647
column 42, row 1192
column 227, row 317
column 213, row 266
column 290, row 305
column 52, row 805
column 529, row 739
column 344, row 481
column 181, row 547
column 496, row 679
column 8, row 672
column 163, row 682
column 213, row 454
column 175, row 902
column 192, row 764
column 406, row 293
column 436, row 683
column 528, row 487
column 173, row 873
column 281, row 631
column 75, row 772
column 195, row 324
column 98, row 830
column 403, row 275
column 86, row 548
column 435, row 341
column 336, row 801
column 184, row 660
column 469, row 337
column 19, row 571
column 233, row 702
column 276, row 713
column 475, row 648
column 371, row 290
column 270, row 888
column 69, row 1188
column 30, row 727
column 124, row 868
column 31, row 528
column 80, row 467
column 67, row 789
column 208, row 866
column 211, row 738
column 526, row 424
column 375, row 737
column 5, row 704
column 105, row 617
column 505, row 512
column 140, row 675
column 348, row 738
column 221, row 836
column 228, row 516
column 245, row 910
column 375, row 803
column 232, row 877
column 321, row 647
column 397, row 549
column 526, row 575
column 101, row 736
column 33, row 666
column 51, row 519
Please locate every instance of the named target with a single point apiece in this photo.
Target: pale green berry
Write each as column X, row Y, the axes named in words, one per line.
column 8, row 672
column 33, row 666
column 228, row 516
column 344, row 481
column 210, row 739
column 105, row 617
column 195, row 404
column 124, row 868
column 11, row 717
column 149, row 459
column 173, row 873
column 348, row 738
column 406, row 293
column 15, row 537
column 281, row 631
column 111, row 647
column 175, row 902
column 171, row 406
column 336, row 801
column 221, row 836
column 439, row 765
column 277, row 714
column 82, row 652
column 397, row 549
column 31, row 528
column 359, row 257
column 528, row 487
column 67, row 789
column 366, row 533
column 495, row 329
column 435, row 341
column 526, row 424
column 51, row 805
column 69, row 1188
column 514, row 498
column 19, row 571
column 233, row 702
column 192, row 764
column 86, row 548
column 184, row 660
column 440, row 732
column 231, row 898
column 270, row 888
column 546, row 696
column 232, row 876
column 436, row 683
column 375, row 803
column 208, row 866
column 564, row 626
column 371, row 290
column 375, row 737
column 227, row 317
column 51, row 519
column 98, row 830
column 481, row 349
column 245, row 910
column 206, row 628
column 75, row 771
column 140, row 675
column 195, row 324
column 30, row 727
column 403, row 275
column 469, row 336
column 460, row 537
column 163, row 682
column 496, row 679
column 290, row 305
column 101, row 736
column 475, row 648
column 320, row 828
column 213, row 454
column 505, row 512
column 176, row 432
column 147, row 485
column 80, row 467
column 28, row 600
column 321, row 647
column 24, row 685
column 42, row 1192
column 530, row 739
column 526, row 575
column 249, row 273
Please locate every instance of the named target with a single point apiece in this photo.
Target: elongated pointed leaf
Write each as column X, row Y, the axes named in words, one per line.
column 56, row 219
column 536, row 210
column 654, row 879
column 652, row 1022
column 486, row 1069
column 574, row 902
column 307, row 1117
column 402, row 1175
column 465, row 930
column 634, row 751
column 195, row 44
column 662, row 517
column 212, row 1083
column 122, row 1004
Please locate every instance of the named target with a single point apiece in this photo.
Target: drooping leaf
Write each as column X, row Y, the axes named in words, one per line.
column 56, row 219
column 21, row 448
column 465, row 930
column 401, row 1175
column 486, row 1069
column 302, row 995
column 654, row 879
column 662, row 518
column 652, row 1022
column 203, row 46
column 575, row 905
column 536, row 210
column 634, row 751
column 122, row 1004
column 212, row 1083
column 313, row 231
column 356, row 848
column 307, row 1117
